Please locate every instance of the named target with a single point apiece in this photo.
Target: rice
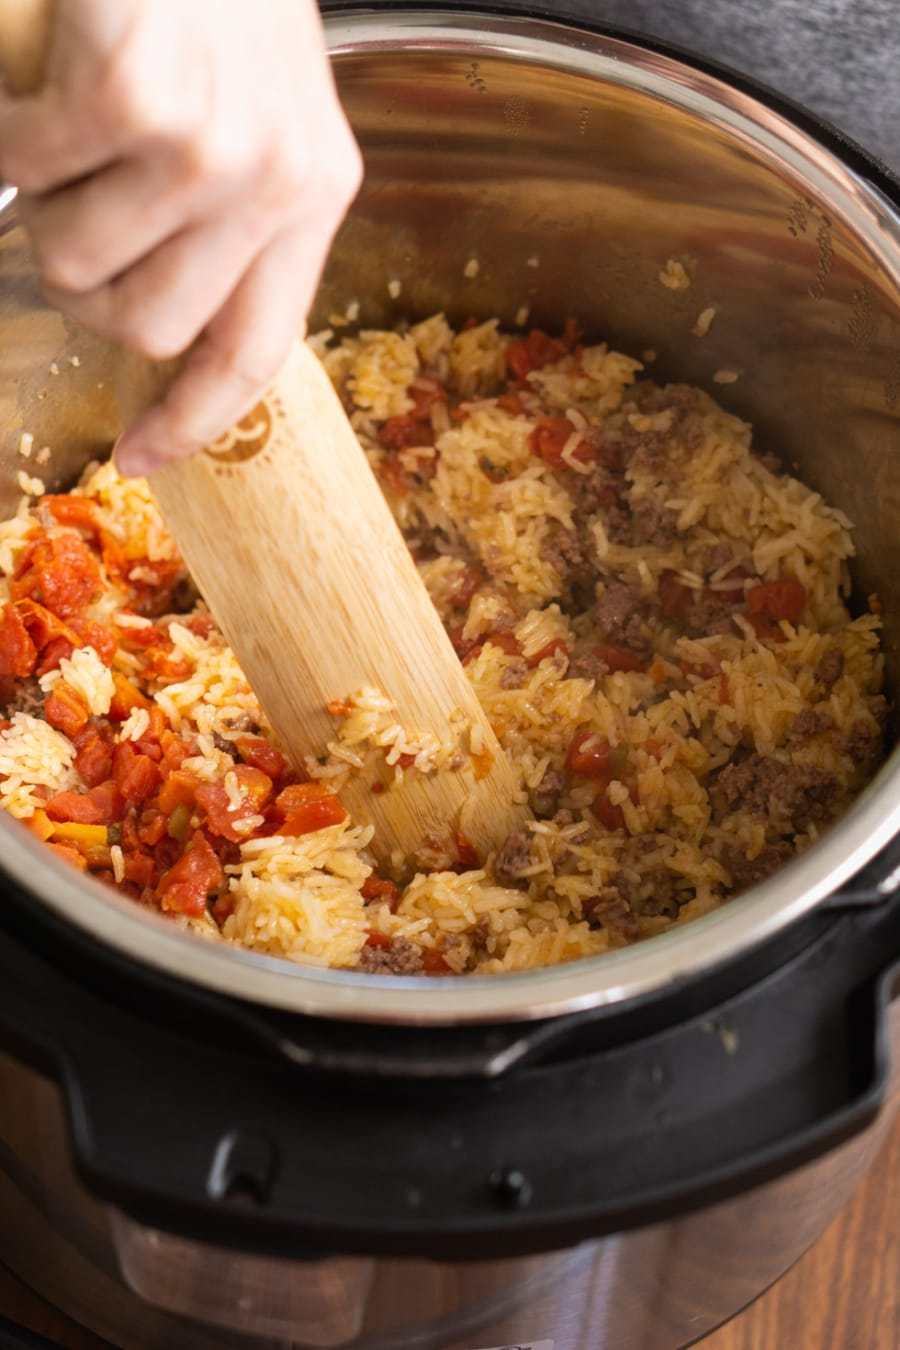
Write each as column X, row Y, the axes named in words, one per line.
column 653, row 617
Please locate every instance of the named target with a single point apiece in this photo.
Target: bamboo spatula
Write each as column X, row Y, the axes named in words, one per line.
column 286, row 533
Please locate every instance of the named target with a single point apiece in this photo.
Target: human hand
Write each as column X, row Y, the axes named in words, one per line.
column 182, row 173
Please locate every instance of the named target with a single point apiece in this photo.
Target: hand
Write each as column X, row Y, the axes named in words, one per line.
column 182, row 172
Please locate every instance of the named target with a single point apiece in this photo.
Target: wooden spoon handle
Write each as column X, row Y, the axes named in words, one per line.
column 287, row 534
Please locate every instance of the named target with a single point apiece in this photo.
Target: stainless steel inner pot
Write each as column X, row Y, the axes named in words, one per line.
column 568, row 168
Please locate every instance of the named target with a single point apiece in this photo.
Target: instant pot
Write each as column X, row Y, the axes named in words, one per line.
column 204, row 1147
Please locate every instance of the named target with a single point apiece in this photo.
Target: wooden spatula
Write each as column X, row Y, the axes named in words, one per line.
column 285, row 531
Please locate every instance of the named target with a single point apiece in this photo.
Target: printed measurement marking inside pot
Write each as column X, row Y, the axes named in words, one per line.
column 474, row 79
column 803, row 215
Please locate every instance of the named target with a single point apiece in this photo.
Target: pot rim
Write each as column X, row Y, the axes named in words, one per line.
column 657, row 964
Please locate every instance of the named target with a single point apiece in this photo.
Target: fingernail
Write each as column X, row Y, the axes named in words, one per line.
column 134, row 461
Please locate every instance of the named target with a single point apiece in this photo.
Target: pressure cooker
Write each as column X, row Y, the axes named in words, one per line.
column 201, row 1146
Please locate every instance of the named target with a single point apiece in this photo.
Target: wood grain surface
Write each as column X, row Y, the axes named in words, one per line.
column 843, row 1295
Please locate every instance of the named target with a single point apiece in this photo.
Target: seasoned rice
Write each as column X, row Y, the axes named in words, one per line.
column 654, row 616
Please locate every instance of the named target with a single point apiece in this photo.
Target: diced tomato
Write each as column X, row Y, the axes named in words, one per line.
column 108, row 801
column 549, row 439
column 511, row 403
column 405, row 431
column 214, row 801
column 776, row 600
column 466, row 851
column 588, row 755
column 464, row 586
column 149, row 741
column 376, row 888
column 152, row 827
column 149, row 636
column 618, row 658
column 482, row 763
column 534, row 352
column 5, row 724
column 126, row 698
column 79, row 512
column 184, row 888
column 174, row 750
column 425, row 393
column 395, row 476
column 165, row 663
column 259, row 754
column 95, row 635
column 179, row 789
column 255, row 789
column 433, row 962
column 504, row 639
column 654, row 748
column 140, row 869
column 136, row 776
column 376, row 939
column 57, row 649
column 66, row 710
column 305, row 807
column 44, row 627
column 18, row 654
column 74, row 806
column 222, row 908
column 201, row 625
column 39, row 824
column 69, row 855
column 610, row 816
column 549, row 649
column 255, row 785
column 61, row 573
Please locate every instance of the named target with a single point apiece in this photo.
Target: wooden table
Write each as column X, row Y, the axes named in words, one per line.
column 843, row 1295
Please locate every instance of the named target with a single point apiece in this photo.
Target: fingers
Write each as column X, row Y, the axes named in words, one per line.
column 234, row 363
column 159, row 306
column 87, row 234
column 81, row 119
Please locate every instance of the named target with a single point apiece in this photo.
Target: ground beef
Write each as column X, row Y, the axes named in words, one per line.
column 185, row 594
column 587, row 665
column 618, row 615
column 610, row 910
column 567, row 553
column 514, row 674
column 860, row 741
column 402, row 957
column 811, row 722
column 830, row 667
column 652, row 523
column 513, row 857
column 570, row 555
column 544, row 799
column 22, row 696
column 746, row 872
column 662, row 898
column 595, row 491
column 716, row 556
column 677, row 398
column 226, row 747
column 710, row 612
column 792, row 796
